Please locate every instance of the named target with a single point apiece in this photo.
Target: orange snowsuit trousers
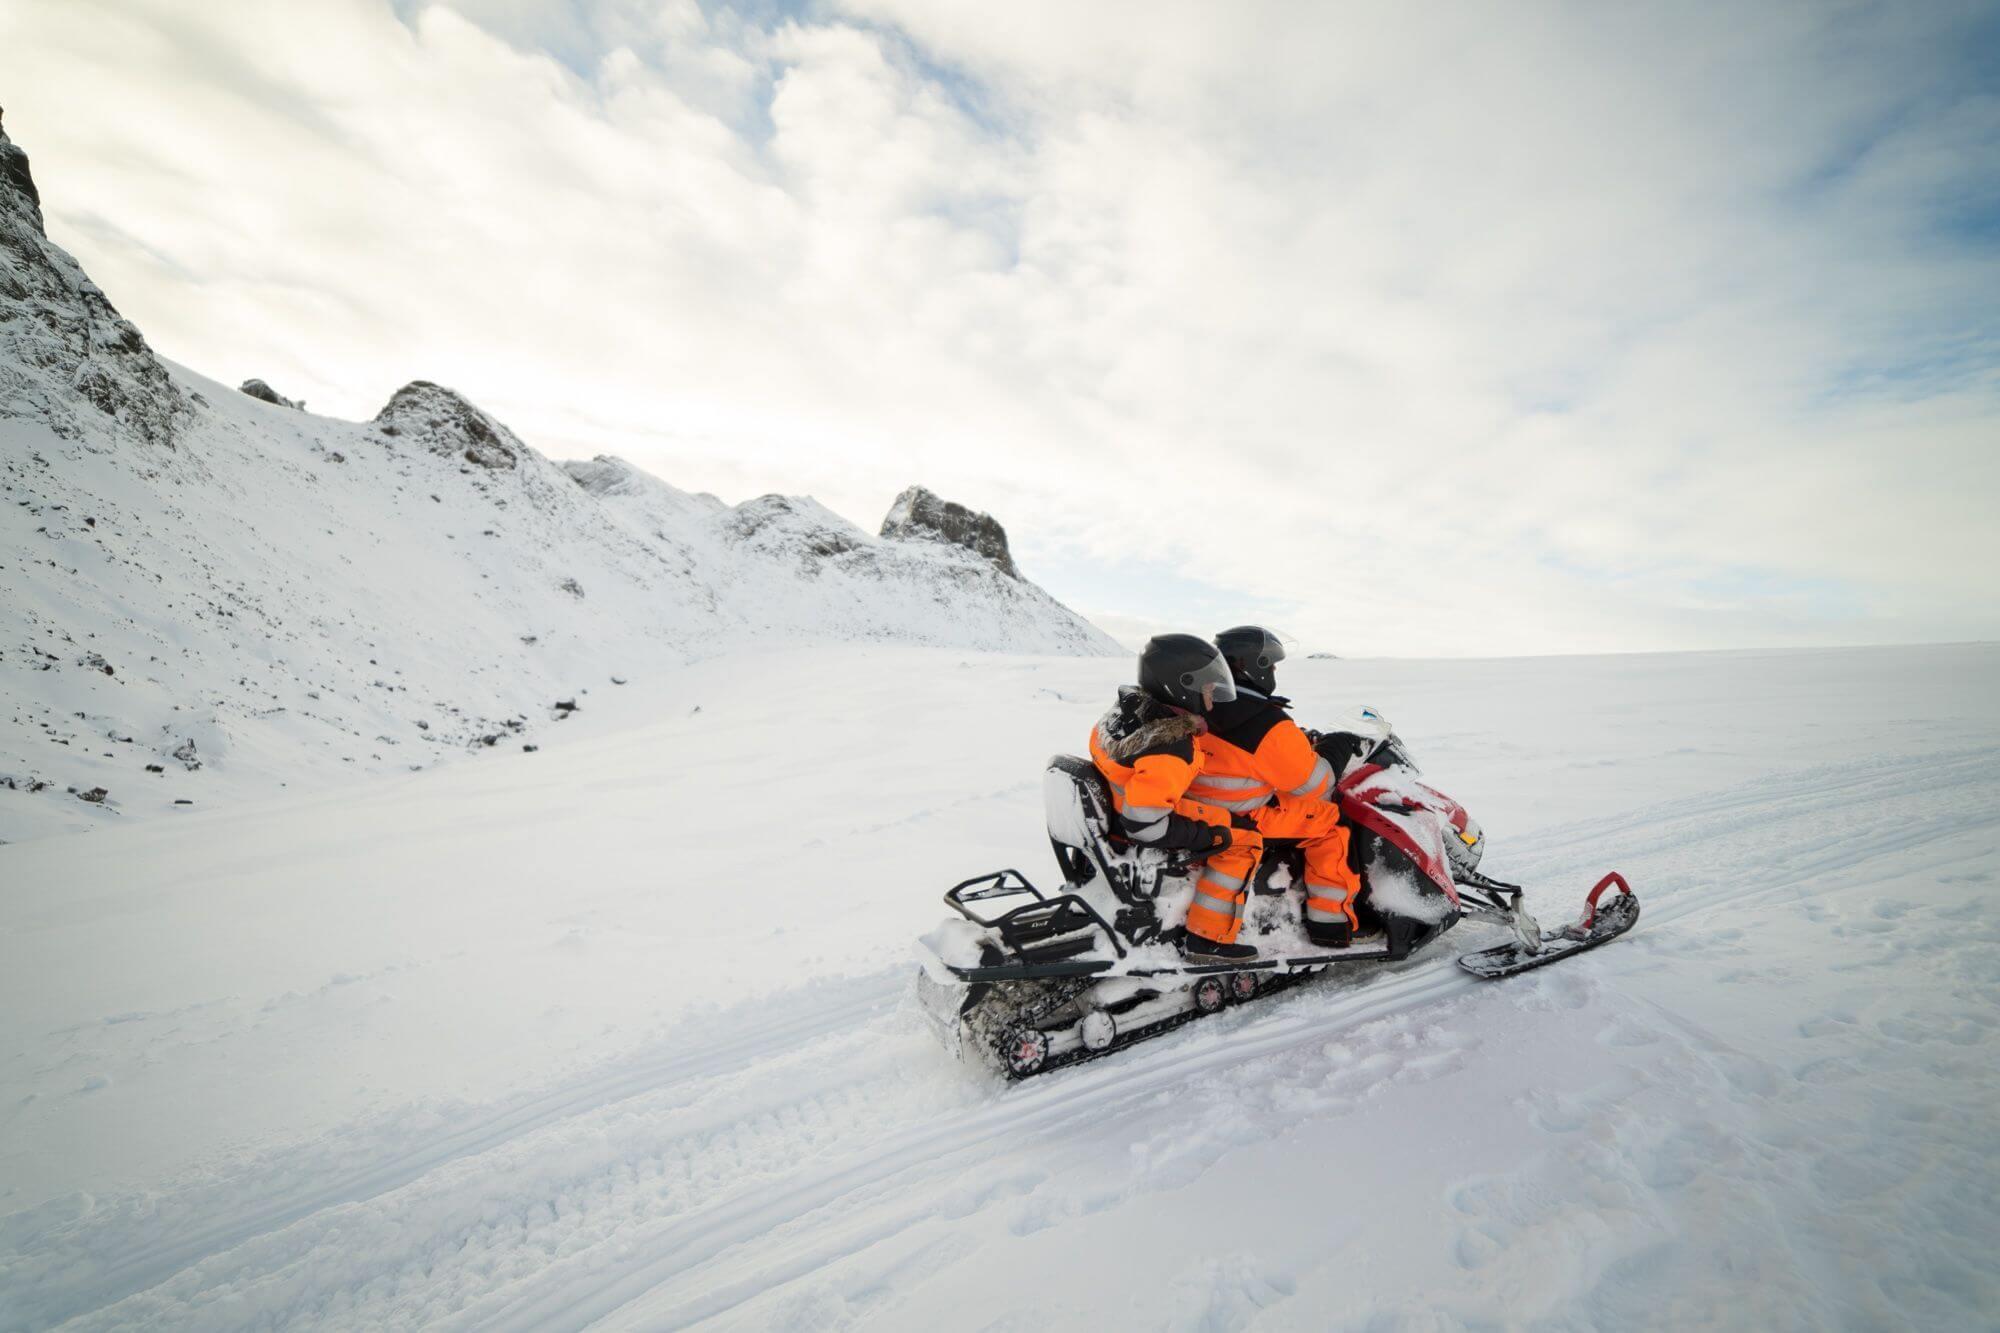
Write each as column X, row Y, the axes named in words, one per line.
column 1331, row 884
column 1286, row 788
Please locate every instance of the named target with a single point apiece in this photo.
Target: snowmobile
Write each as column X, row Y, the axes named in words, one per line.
column 1032, row 980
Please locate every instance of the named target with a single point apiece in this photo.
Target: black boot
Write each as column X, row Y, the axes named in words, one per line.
column 1330, row 934
column 1197, row 949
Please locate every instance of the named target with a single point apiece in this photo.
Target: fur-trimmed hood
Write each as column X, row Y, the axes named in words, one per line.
column 1139, row 724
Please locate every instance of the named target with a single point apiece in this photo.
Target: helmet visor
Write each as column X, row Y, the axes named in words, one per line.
column 1272, row 651
column 1210, row 682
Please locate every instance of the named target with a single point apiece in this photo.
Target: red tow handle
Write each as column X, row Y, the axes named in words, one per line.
column 1590, row 903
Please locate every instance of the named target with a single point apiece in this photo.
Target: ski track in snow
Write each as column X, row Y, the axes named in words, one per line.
column 811, row 1169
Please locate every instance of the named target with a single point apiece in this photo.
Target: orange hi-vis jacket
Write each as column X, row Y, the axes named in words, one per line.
column 1257, row 764
column 1147, row 754
column 1251, row 752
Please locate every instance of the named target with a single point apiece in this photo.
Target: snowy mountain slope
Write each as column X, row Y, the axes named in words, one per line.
column 496, row 1056
column 780, row 562
column 205, row 595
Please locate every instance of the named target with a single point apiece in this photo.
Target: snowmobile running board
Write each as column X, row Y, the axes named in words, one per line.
column 1049, row 940
column 1035, row 935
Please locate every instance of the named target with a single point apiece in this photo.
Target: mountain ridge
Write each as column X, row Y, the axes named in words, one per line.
column 212, row 594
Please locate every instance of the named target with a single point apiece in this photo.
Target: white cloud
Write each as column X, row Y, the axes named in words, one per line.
column 1490, row 329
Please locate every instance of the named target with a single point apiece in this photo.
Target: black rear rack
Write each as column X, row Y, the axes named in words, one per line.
column 1042, row 930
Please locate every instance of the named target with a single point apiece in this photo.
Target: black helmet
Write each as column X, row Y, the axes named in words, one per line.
column 1253, row 654
column 1184, row 671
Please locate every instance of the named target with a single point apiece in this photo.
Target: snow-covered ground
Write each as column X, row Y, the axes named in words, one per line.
column 618, row 1033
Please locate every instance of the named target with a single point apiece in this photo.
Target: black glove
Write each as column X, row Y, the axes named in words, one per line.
column 1219, row 838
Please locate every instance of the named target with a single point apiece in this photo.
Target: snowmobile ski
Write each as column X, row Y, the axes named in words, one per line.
column 1599, row 925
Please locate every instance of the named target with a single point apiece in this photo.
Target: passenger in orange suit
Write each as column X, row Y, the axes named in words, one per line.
column 1146, row 748
column 1257, row 763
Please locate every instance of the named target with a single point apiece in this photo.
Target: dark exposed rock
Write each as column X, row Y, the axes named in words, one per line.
column 449, row 426
column 95, row 795
column 61, row 341
column 920, row 515
column 15, row 178
column 260, row 390
column 185, row 753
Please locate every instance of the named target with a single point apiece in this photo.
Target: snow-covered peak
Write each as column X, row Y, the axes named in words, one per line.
column 921, row 515
column 257, row 389
column 787, row 566
column 444, row 422
column 67, row 358
column 793, row 524
column 606, row 477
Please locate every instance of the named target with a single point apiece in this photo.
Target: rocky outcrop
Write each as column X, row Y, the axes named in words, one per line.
column 16, row 180
column 63, row 349
column 442, row 421
column 920, row 515
column 264, row 392
column 793, row 524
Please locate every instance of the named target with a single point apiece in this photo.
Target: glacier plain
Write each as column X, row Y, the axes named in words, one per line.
column 617, row 1034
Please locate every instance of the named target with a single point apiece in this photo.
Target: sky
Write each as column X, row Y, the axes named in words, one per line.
column 1449, row 329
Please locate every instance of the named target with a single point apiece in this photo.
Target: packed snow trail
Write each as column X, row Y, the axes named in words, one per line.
column 1771, row 1106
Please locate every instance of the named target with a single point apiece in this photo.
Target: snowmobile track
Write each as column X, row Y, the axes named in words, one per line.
column 1042, row 1105
column 142, row 1267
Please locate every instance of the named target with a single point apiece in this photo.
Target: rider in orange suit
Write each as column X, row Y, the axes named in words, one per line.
column 1147, row 749
column 1256, row 762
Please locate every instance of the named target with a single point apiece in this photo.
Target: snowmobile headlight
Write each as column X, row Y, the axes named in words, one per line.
column 1469, row 838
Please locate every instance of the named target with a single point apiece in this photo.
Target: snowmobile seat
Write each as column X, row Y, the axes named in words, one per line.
column 1083, row 832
